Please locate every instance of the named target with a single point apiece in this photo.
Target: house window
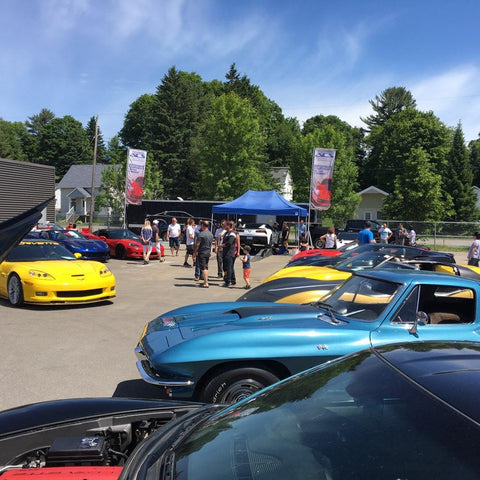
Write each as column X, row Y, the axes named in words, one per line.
column 368, row 216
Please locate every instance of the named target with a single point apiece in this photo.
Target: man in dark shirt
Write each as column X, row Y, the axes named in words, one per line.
column 203, row 249
column 228, row 245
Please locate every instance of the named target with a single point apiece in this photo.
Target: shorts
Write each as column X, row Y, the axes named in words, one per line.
column 203, row 259
column 190, row 249
column 246, row 273
column 174, row 242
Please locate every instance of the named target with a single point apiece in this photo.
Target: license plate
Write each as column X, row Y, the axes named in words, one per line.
column 249, row 238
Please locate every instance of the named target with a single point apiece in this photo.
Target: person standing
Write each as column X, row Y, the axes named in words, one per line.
column 146, row 236
column 228, row 246
column 412, row 236
column 285, row 237
column 473, row 254
column 330, row 238
column 156, row 240
column 247, row 268
column 218, row 251
column 400, row 235
column 203, row 249
column 302, row 229
column 189, row 241
column 384, row 233
column 173, row 236
column 366, row 236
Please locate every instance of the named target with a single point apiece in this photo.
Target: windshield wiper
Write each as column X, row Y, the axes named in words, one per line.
column 330, row 310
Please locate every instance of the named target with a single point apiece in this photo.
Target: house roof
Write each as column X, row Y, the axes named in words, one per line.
column 372, row 189
column 280, row 173
column 81, row 176
column 79, row 192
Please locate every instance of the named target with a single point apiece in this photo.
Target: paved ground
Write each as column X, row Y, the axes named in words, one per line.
column 64, row 352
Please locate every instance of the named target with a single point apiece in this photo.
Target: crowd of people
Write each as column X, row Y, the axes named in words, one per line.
column 200, row 244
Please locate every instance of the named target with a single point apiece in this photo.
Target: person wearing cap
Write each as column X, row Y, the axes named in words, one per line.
column 247, row 268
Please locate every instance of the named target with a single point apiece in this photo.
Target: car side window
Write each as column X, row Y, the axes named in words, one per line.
column 443, row 304
column 408, row 310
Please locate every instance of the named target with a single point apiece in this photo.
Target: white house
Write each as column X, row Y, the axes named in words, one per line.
column 282, row 176
column 370, row 207
column 73, row 193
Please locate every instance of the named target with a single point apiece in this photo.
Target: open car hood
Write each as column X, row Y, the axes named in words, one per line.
column 15, row 228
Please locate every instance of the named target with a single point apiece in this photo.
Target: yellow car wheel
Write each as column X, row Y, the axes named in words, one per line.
column 15, row 290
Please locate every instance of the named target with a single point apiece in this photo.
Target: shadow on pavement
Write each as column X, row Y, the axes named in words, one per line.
column 139, row 389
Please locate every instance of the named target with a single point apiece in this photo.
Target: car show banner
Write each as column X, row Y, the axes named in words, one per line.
column 321, row 181
column 136, row 161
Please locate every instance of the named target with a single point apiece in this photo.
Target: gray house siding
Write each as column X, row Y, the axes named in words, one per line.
column 24, row 185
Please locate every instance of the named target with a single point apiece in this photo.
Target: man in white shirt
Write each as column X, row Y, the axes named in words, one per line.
column 385, row 233
column 173, row 236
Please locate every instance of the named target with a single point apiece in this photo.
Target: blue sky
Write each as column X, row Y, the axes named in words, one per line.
column 95, row 57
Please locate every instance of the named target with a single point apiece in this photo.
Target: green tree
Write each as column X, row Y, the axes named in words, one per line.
column 391, row 144
column 229, row 151
column 391, row 101
column 137, row 130
column 35, row 125
column 474, row 151
column 181, row 102
column 459, row 180
column 62, row 143
column 12, row 136
column 101, row 149
column 421, row 199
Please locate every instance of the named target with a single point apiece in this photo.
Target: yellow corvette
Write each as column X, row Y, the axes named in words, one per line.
column 45, row 272
column 306, row 284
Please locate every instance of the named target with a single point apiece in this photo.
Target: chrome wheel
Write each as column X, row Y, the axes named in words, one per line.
column 15, row 290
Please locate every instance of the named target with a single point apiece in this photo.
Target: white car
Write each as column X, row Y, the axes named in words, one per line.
column 256, row 234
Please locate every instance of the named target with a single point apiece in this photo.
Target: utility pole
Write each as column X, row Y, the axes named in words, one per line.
column 92, row 198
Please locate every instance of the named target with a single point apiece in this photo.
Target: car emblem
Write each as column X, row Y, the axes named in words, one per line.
column 322, row 347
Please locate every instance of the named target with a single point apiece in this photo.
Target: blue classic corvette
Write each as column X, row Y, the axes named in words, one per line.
column 77, row 243
column 223, row 352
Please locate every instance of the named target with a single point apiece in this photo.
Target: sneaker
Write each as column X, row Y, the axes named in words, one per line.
column 226, row 285
column 186, row 265
column 247, row 287
column 219, row 275
column 233, row 283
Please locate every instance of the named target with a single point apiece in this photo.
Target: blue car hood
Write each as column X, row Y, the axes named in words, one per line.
column 88, row 245
column 195, row 320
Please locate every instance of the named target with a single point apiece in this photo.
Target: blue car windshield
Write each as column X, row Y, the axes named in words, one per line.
column 39, row 251
column 355, row 419
column 361, row 298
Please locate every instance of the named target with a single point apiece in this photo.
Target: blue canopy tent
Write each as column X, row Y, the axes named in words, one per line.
column 269, row 202
column 261, row 203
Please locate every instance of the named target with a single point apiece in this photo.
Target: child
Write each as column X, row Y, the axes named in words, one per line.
column 246, row 265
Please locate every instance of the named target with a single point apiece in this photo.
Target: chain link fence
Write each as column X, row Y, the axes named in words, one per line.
column 440, row 234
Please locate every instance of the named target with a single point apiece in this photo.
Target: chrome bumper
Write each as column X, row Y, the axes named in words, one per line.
column 150, row 376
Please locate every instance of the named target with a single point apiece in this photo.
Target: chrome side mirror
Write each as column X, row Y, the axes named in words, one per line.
column 421, row 318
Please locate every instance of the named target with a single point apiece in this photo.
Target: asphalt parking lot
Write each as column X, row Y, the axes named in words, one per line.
column 87, row 351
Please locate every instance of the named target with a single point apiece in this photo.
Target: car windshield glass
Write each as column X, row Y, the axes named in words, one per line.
column 361, row 298
column 121, row 234
column 73, row 234
column 317, row 426
column 255, row 225
column 36, row 251
column 363, row 261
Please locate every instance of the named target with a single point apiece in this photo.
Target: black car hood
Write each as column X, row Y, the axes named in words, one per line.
column 15, row 228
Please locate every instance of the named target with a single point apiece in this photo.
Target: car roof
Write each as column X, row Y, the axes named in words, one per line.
column 449, row 370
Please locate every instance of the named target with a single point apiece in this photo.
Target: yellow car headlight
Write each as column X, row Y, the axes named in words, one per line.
column 105, row 271
column 38, row 274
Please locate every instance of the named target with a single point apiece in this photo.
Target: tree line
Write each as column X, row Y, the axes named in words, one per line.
column 214, row 140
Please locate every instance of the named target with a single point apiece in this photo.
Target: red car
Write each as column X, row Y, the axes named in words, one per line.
column 123, row 243
column 326, row 252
